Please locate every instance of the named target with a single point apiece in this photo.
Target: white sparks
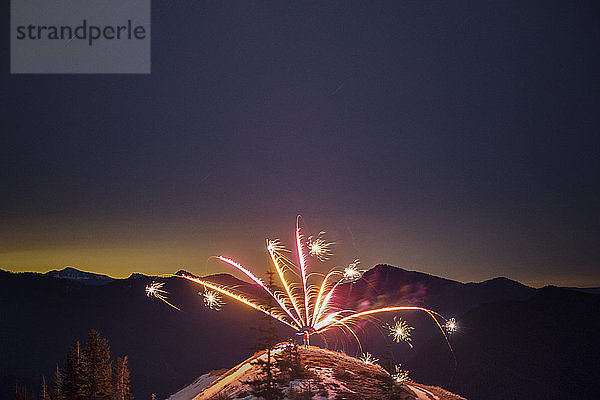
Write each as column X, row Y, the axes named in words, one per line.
column 368, row 358
column 351, row 272
column 319, row 248
column 212, row 299
column 400, row 375
column 155, row 290
column 451, row 326
column 400, row 331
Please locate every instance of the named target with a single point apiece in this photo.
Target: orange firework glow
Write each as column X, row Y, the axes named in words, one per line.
column 305, row 307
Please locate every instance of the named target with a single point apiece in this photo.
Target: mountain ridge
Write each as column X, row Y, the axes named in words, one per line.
column 139, row 326
column 63, row 274
column 86, row 277
column 545, row 346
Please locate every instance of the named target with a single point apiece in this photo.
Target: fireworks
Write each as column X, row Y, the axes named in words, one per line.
column 400, row 375
column 318, row 247
column 351, row 272
column 367, row 358
column 212, row 299
column 400, row 331
column 304, row 306
column 451, row 325
column 155, row 290
column 275, row 246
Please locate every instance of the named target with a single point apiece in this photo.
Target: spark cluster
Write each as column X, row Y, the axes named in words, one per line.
column 212, row 299
column 318, row 247
column 451, row 326
column 400, row 375
column 400, row 331
column 368, row 358
column 351, row 272
column 155, row 290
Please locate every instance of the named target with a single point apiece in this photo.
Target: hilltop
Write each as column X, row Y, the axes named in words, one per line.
column 333, row 375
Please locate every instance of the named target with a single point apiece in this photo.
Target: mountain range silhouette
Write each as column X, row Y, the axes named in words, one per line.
column 513, row 341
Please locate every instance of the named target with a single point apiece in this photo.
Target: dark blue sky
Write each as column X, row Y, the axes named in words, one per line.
column 455, row 139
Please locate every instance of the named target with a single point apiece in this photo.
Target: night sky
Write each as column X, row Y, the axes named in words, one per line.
column 458, row 139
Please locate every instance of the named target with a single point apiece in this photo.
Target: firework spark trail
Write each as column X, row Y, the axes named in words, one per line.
column 318, row 303
column 360, row 349
column 154, row 290
column 316, row 317
column 229, row 293
column 259, row 282
column 272, row 247
column 329, row 319
column 302, row 267
column 431, row 313
column 327, row 298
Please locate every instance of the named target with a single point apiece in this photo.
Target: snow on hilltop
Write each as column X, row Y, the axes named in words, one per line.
column 338, row 376
column 88, row 278
column 190, row 391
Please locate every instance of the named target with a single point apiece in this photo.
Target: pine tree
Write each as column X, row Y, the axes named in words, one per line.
column 269, row 383
column 21, row 393
column 267, row 328
column 44, row 389
column 391, row 390
column 72, row 385
column 388, row 358
column 121, row 385
column 97, row 368
column 57, row 387
column 289, row 363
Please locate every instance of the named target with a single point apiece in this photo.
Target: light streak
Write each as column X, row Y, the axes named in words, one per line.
column 260, row 283
column 273, row 247
column 302, row 267
column 431, row 313
column 318, row 303
column 354, row 335
column 242, row 299
column 326, row 300
column 434, row 315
